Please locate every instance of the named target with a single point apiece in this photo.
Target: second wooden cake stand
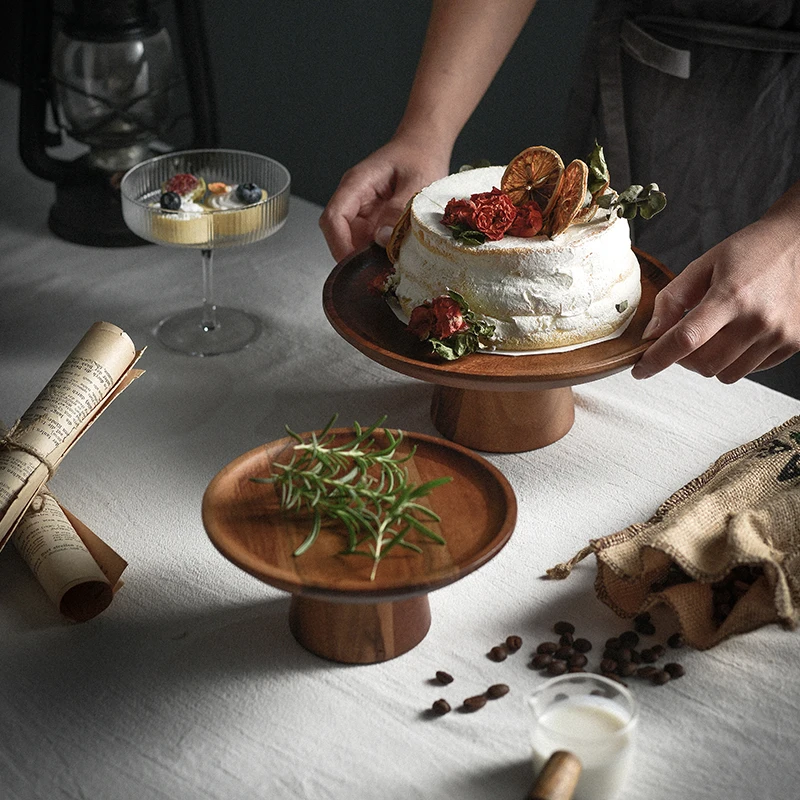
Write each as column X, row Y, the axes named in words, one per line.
column 337, row 610
column 494, row 403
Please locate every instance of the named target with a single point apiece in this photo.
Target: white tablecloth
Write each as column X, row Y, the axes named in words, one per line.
column 190, row 684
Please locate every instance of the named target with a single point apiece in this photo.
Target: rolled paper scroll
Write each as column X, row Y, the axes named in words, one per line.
column 91, row 377
column 78, row 571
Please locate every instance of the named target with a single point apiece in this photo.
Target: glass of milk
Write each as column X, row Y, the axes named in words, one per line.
column 592, row 717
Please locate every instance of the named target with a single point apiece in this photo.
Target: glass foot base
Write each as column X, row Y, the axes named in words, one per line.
column 185, row 332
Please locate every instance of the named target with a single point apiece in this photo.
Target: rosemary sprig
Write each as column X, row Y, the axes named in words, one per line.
column 363, row 486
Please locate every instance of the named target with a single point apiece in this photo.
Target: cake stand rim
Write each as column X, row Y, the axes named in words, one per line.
column 362, row 592
column 480, row 371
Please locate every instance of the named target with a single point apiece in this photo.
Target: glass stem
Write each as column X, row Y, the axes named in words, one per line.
column 209, row 306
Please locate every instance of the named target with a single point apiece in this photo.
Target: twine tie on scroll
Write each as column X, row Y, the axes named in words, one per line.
column 563, row 570
column 37, row 504
column 8, row 440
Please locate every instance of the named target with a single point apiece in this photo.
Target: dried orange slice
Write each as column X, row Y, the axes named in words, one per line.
column 533, row 175
column 569, row 197
column 399, row 233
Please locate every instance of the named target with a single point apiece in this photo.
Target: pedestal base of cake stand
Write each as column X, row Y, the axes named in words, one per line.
column 503, row 422
column 359, row 633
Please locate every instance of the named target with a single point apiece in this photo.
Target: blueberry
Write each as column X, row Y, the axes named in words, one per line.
column 170, row 201
column 248, row 193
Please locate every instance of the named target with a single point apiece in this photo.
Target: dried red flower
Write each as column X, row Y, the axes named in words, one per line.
column 449, row 319
column 380, row 283
column 439, row 318
column 421, row 321
column 494, row 213
column 458, row 212
column 528, row 221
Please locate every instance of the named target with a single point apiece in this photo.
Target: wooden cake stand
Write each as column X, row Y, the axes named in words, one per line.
column 495, row 403
column 336, row 611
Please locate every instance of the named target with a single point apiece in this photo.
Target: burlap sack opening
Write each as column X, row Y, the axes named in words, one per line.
column 731, row 533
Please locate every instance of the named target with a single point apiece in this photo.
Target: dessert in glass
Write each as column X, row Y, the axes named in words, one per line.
column 206, row 200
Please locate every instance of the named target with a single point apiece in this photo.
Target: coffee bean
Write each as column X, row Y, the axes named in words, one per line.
column 629, row 639
column 563, row 653
column 648, row 656
column 498, row 653
column 556, row 667
column 547, row 647
column 623, row 655
column 513, row 643
column 444, row 677
column 582, row 645
column 577, row 660
column 646, row 672
column 576, row 669
column 658, row 650
column 643, row 617
column 626, row 669
column 645, row 628
column 613, row 643
column 676, row 640
column 440, row 707
column 608, row 665
column 563, row 627
column 541, row 660
column 497, row 690
column 636, row 657
column 660, row 678
column 566, row 639
column 674, row 670
column 475, row 703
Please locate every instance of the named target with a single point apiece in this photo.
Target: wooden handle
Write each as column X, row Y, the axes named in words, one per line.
column 558, row 777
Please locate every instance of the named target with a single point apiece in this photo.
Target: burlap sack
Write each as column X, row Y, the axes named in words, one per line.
column 723, row 551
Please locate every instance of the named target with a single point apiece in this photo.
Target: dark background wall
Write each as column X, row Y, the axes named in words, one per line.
column 320, row 85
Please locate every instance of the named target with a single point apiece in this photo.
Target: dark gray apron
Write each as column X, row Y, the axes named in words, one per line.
column 702, row 97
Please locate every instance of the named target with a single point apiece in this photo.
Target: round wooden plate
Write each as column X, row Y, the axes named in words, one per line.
column 477, row 510
column 337, row 611
column 367, row 322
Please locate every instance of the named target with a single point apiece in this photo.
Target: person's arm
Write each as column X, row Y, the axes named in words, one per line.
column 736, row 309
column 465, row 45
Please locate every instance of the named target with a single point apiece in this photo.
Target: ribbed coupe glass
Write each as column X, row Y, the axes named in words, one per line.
column 207, row 329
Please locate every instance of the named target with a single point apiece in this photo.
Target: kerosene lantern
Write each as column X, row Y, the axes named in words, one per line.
column 103, row 80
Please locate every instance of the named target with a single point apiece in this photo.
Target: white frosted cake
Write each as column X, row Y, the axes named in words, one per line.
column 576, row 287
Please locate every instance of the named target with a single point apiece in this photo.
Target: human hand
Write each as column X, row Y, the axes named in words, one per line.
column 733, row 311
column 372, row 195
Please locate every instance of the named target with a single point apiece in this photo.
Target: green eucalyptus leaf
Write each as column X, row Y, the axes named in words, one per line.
column 657, row 202
column 607, row 200
column 472, row 238
column 443, row 350
column 647, row 212
column 598, row 169
column 630, row 194
column 453, row 295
